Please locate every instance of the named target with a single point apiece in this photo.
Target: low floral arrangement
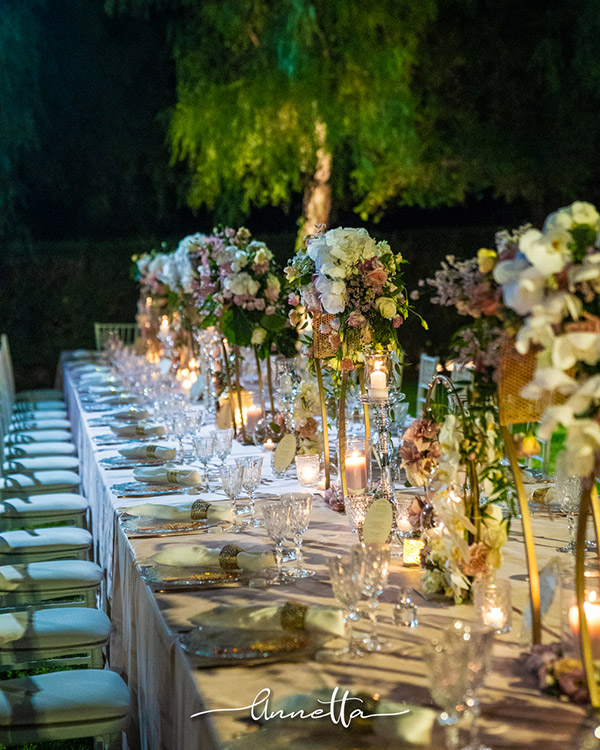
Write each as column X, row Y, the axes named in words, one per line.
column 420, row 451
column 466, row 541
column 558, row 673
column 553, row 279
column 307, row 407
column 346, row 274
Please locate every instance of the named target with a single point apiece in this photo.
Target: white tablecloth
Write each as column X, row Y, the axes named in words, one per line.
column 168, row 687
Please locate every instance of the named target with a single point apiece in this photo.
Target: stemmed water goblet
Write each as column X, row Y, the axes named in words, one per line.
column 277, row 525
column 231, row 479
column 204, row 447
column 346, row 575
column 300, row 505
column 252, row 474
column 223, row 441
column 376, row 562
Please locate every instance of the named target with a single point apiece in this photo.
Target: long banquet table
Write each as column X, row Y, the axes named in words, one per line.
column 168, row 687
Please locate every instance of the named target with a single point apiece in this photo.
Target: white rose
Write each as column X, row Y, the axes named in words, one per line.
column 258, row 336
column 242, row 283
column 584, row 213
column 387, row 307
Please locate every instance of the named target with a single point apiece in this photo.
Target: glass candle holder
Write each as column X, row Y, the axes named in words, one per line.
column 307, row 469
column 493, row 604
column 592, row 612
column 357, row 480
column 378, row 373
column 411, row 551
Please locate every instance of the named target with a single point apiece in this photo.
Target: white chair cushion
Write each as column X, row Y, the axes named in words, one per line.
column 53, row 539
column 40, row 415
column 53, row 628
column 31, row 450
column 55, row 504
column 40, row 394
column 36, row 436
column 42, row 463
column 40, row 424
column 63, row 697
column 39, row 481
column 28, row 406
column 53, row 575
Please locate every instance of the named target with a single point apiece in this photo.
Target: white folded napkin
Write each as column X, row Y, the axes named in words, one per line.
column 145, row 429
column 163, row 475
column 145, row 450
column 288, row 616
column 199, row 510
column 97, row 378
column 197, row 556
column 131, row 414
column 105, row 389
column 116, row 399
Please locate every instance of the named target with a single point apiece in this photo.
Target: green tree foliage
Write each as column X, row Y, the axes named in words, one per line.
column 256, row 77
column 20, row 111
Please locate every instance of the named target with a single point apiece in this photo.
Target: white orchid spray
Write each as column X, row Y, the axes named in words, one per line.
column 557, row 288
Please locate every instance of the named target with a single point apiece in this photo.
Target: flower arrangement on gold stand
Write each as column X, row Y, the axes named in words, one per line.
column 352, row 289
column 553, row 280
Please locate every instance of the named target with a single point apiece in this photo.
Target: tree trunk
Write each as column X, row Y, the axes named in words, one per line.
column 317, row 196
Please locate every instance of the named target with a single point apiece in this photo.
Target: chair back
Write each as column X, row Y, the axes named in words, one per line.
column 126, row 332
column 427, row 371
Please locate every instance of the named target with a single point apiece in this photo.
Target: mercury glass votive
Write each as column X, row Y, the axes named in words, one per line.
column 411, row 551
column 307, row 469
column 492, row 603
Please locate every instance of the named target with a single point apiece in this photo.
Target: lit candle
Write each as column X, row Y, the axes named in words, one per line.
column 356, row 473
column 269, row 445
column 403, row 524
column 378, row 382
column 253, row 417
column 164, row 325
column 148, row 301
column 592, row 615
column 307, row 469
column 186, row 384
column 411, row 551
column 495, row 617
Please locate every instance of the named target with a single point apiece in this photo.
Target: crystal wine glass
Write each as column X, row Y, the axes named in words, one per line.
column 300, row 505
column 252, row 475
column 346, row 574
column 231, row 478
column 204, row 447
column 479, row 660
column 223, row 444
column 448, row 683
column 376, row 561
column 277, row 525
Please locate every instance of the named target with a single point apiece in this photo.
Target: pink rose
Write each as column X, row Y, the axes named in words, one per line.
column 308, row 429
column 272, row 293
column 270, row 310
column 335, row 341
column 397, row 321
column 377, row 278
column 346, row 364
column 293, row 299
column 356, row 319
column 259, row 304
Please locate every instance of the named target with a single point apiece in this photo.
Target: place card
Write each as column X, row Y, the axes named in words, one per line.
column 284, row 453
column 378, row 522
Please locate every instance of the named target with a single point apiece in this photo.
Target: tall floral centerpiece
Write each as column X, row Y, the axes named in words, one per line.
column 459, row 457
column 553, row 279
column 236, row 287
column 353, row 290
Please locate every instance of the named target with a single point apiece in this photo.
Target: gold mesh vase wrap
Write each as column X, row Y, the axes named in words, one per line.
column 321, row 345
column 515, row 372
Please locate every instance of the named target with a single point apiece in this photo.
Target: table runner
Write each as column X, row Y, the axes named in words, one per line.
column 167, row 688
